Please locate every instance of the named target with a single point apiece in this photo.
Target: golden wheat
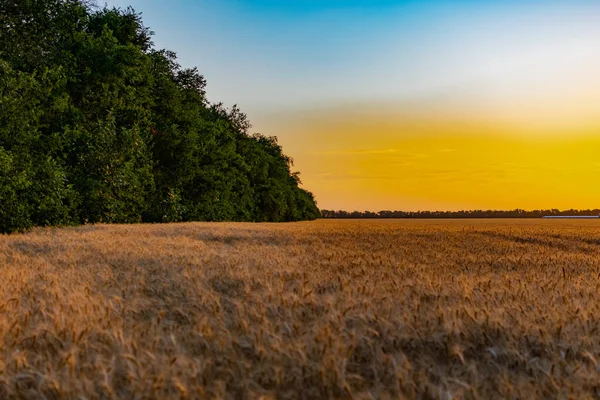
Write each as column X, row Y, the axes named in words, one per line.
column 325, row 309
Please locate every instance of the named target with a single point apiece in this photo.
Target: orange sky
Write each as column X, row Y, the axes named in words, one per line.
column 361, row 158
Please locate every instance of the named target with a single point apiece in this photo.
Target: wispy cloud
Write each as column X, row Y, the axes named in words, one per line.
column 350, row 152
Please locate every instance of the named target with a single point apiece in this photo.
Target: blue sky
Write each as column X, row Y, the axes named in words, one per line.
column 266, row 54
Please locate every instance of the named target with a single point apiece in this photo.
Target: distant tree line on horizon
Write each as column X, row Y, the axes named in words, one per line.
column 97, row 125
column 517, row 213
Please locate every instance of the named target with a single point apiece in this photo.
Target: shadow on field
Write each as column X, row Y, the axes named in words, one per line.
column 245, row 237
column 242, row 240
column 557, row 243
column 227, row 286
column 35, row 249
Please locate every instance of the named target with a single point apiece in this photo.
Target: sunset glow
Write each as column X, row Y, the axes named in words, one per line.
column 409, row 105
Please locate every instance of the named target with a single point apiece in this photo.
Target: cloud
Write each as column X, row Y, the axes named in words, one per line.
column 351, row 152
column 351, row 176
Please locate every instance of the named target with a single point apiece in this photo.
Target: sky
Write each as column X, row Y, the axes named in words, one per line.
column 408, row 105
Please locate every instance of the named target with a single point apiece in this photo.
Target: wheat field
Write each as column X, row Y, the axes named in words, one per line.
column 327, row 309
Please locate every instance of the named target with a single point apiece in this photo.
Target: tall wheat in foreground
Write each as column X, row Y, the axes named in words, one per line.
column 325, row 309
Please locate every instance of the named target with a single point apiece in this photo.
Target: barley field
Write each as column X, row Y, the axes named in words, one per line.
column 352, row 309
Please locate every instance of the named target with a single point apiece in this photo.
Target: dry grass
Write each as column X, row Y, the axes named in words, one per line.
column 326, row 309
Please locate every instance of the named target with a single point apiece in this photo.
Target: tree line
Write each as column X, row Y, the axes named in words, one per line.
column 97, row 125
column 517, row 213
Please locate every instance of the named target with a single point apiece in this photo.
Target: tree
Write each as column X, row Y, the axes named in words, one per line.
column 98, row 125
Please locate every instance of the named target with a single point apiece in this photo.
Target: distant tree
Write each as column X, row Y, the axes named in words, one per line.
column 518, row 213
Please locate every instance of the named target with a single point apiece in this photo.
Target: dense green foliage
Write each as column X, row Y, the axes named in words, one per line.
column 96, row 125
